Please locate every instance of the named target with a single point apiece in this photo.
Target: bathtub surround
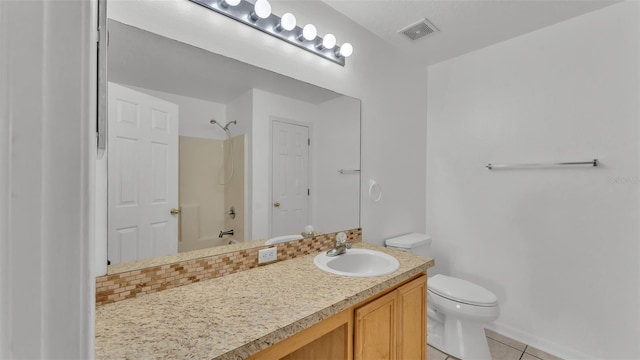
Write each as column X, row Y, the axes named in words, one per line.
column 154, row 278
column 559, row 247
column 208, row 189
column 235, row 185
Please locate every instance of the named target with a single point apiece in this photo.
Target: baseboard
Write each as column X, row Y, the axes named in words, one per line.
column 545, row 345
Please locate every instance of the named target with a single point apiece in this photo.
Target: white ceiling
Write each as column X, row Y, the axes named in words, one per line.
column 143, row 59
column 465, row 25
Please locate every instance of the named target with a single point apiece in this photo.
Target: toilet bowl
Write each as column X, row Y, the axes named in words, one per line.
column 457, row 312
column 457, row 309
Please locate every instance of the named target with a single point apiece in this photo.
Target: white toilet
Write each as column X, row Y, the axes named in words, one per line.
column 457, row 309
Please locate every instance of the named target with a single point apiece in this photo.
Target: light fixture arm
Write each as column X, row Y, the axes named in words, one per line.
column 244, row 13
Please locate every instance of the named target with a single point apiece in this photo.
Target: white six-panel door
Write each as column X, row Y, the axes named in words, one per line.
column 142, row 156
column 290, row 182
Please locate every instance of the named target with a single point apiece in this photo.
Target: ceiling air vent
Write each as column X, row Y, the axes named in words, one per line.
column 419, row 30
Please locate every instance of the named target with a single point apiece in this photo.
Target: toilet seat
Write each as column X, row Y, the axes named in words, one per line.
column 461, row 291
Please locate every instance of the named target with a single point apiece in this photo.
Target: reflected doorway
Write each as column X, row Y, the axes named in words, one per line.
column 290, row 178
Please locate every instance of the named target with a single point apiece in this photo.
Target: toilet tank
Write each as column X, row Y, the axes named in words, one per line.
column 415, row 243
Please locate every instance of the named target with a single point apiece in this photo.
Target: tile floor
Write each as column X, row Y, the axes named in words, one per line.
column 502, row 348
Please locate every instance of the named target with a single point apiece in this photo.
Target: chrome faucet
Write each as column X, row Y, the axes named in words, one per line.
column 223, row 233
column 340, row 246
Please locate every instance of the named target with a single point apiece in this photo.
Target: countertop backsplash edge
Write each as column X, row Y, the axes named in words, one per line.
column 130, row 284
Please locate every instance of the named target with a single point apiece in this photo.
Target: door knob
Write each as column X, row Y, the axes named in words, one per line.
column 175, row 211
column 276, row 204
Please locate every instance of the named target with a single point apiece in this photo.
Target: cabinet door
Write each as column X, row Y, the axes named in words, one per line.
column 376, row 329
column 412, row 319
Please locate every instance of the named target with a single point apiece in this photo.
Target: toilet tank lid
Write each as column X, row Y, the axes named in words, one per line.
column 409, row 241
column 461, row 290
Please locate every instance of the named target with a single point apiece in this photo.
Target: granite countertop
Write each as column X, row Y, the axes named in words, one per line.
column 237, row 315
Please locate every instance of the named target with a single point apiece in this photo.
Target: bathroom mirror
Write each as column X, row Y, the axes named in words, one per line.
column 258, row 153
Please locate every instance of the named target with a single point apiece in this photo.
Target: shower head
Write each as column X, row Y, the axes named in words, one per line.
column 214, row 122
column 226, row 127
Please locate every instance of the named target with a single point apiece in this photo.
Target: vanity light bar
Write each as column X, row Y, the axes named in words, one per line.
column 248, row 14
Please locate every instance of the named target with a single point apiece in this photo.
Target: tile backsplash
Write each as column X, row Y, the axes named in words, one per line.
column 134, row 283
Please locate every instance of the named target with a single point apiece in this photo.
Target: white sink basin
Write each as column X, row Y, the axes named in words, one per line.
column 282, row 239
column 358, row 263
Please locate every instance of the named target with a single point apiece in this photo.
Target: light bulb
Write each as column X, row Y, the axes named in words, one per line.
column 287, row 22
column 345, row 50
column 261, row 10
column 309, row 32
column 329, row 41
column 227, row 3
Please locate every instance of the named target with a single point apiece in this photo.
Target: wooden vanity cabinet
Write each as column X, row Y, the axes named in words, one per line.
column 412, row 320
column 390, row 326
column 328, row 339
column 393, row 326
column 375, row 336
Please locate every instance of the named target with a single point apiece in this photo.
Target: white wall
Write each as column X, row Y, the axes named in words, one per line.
column 336, row 144
column 195, row 114
column 5, row 189
column 559, row 247
column 46, row 166
column 266, row 108
column 334, row 129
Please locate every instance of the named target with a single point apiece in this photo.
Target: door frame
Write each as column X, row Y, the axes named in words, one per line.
column 309, row 126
